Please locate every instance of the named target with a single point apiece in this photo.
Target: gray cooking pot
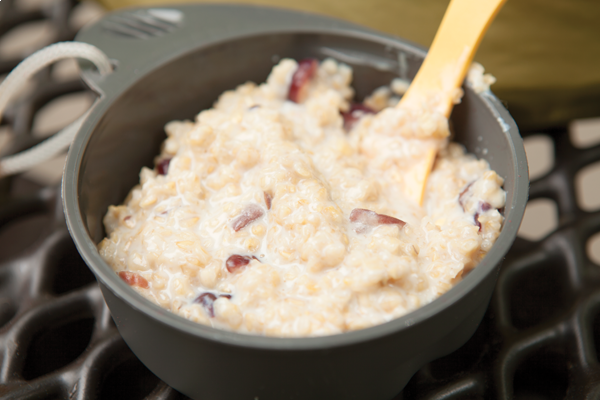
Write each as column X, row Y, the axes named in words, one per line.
column 172, row 64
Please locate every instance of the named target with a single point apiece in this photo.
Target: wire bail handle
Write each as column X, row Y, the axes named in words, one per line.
column 37, row 61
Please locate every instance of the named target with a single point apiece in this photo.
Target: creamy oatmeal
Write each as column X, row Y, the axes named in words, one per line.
column 282, row 211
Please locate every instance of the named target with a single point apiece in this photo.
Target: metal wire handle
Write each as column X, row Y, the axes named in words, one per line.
column 59, row 142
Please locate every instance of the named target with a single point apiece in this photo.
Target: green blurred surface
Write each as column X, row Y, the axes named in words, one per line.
column 544, row 53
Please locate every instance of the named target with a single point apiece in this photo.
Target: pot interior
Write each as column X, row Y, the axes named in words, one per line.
column 129, row 134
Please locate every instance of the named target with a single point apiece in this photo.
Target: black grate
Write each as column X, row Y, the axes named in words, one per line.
column 540, row 338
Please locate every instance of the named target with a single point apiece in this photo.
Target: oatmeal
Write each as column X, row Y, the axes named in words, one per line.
column 282, row 210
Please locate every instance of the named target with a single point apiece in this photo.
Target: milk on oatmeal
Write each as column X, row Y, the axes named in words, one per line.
column 281, row 211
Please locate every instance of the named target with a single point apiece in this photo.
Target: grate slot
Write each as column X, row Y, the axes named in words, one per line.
column 57, row 347
column 7, row 310
column 544, row 375
column 539, row 293
column 130, row 380
column 22, row 234
column 69, row 270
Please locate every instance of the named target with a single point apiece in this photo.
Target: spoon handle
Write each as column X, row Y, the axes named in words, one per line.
column 450, row 55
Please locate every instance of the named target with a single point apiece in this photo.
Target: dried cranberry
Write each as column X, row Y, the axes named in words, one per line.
column 362, row 215
column 485, row 206
column 301, row 78
column 268, row 199
column 476, row 219
column 227, row 296
column 372, row 218
column 354, row 114
column 462, row 196
column 133, row 279
column 367, row 218
column 387, row 220
column 207, row 300
column 163, row 166
column 248, row 215
column 235, row 262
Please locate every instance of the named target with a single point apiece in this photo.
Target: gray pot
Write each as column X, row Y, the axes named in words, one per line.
column 171, row 69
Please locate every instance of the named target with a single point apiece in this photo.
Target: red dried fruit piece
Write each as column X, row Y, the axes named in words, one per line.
column 127, row 218
column 476, row 219
column 301, row 78
column 268, row 199
column 227, row 296
column 133, row 279
column 354, row 114
column 462, row 196
column 485, row 206
column 235, row 262
column 248, row 215
column 207, row 301
column 163, row 166
column 387, row 220
column 367, row 218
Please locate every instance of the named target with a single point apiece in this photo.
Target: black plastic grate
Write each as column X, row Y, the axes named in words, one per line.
column 540, row 338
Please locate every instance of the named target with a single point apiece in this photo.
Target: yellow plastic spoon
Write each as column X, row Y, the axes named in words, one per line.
column 443, row 71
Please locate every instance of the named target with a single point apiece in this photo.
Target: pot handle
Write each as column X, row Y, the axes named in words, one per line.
column 39, row 60
column 138, row 40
